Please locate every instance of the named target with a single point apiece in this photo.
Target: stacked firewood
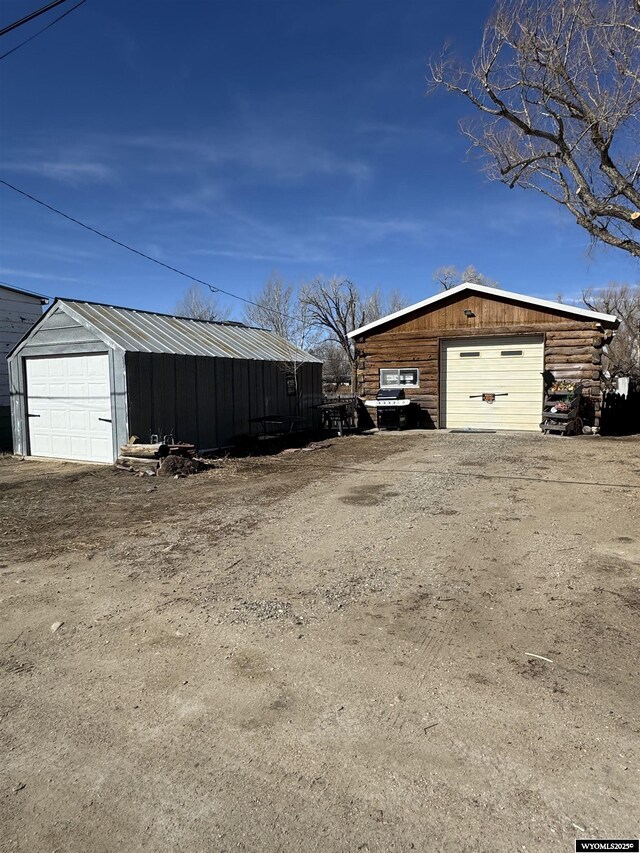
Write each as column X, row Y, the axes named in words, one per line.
column 147, row 458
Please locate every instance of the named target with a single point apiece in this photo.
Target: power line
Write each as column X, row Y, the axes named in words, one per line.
column 39, row 32
column 212, row 288
column 30, row 16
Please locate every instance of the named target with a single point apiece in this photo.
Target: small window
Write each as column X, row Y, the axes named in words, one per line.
column 402, row 377
column 511, row 352
column 469, row 355
column 292, row 386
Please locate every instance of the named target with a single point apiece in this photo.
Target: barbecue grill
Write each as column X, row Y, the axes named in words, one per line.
column 391, row 408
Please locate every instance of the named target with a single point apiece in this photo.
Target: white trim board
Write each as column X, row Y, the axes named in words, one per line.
column 584, row 313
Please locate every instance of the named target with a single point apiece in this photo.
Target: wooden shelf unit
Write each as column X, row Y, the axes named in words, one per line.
column 562, row 423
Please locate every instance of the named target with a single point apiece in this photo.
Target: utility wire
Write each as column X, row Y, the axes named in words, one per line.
column 212, row 288
column 30, row 17
column 39, row 32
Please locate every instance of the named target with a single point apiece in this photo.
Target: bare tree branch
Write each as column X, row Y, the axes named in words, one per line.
column 278, row 308
column 622, row 354
column 556, row 84
column 200, row 305
column 338, row 307
column 448, row 277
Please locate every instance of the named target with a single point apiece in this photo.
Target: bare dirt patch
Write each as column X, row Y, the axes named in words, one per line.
column 324, row 651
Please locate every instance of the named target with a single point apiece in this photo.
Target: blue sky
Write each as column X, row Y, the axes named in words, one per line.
column 242, row 138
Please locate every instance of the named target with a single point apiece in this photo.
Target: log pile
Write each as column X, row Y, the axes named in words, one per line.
column 144, row 459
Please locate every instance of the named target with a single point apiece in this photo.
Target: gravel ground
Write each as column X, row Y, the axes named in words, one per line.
column 404, row 641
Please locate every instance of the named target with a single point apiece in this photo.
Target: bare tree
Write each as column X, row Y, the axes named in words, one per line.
column 378, row 304
column 448, row 277
column 200, row 305
column 336, row 370
column 278, row 308
column 338, row 307
column 557, row 86
column 622, row 354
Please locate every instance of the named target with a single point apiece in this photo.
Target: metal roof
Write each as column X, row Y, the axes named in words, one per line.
column 561, row 307
column 145, row 331
column 10, row 287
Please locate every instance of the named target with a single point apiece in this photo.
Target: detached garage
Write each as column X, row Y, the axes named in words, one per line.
column 88, row 376
column 478, row 357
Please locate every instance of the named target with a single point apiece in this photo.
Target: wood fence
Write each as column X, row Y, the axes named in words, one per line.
column 620, row 413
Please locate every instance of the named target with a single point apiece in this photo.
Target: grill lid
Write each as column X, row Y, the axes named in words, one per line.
column 390, row 394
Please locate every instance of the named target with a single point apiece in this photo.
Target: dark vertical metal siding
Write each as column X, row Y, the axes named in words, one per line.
column 184, row 420
column 254, row 389
column 146, row 392
column 161, row 367
column 168, row 394
column 210, row 401
column 206, row 408
column 223, row 393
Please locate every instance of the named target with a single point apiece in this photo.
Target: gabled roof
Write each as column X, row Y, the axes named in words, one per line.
column 130, row 330
column 582, row 313
column 39, row 296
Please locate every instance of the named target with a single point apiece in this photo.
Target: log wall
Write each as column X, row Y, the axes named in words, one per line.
column 572, row 347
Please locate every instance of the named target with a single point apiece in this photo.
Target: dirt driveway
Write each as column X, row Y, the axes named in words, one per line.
column 324, row 651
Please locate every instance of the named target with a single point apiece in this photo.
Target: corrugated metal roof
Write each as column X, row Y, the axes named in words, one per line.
column 144, row 331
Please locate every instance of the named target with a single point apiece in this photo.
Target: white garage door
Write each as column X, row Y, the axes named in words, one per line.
column 492, row 383
column 69, row 407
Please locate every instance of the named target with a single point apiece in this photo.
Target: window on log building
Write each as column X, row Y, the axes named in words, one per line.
column 400, row 377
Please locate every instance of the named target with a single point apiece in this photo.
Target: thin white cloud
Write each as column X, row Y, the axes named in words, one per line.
column 379, row 229
column 251, row 255
column 254, row 153
column 11, row 271
column 66, row 171
column 59, row 252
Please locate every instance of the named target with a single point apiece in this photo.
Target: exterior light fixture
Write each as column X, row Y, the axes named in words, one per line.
column 468, row 312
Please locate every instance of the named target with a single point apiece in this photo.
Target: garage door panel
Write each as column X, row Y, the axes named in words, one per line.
column 499, row 367
column 504, row 386
column 79, row 422
column 510, row 366
column 58, row 420
column 69, row 403
column 101, row 448
column 462, row 399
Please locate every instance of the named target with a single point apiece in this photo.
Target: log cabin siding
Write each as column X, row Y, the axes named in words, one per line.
column 572, row 347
